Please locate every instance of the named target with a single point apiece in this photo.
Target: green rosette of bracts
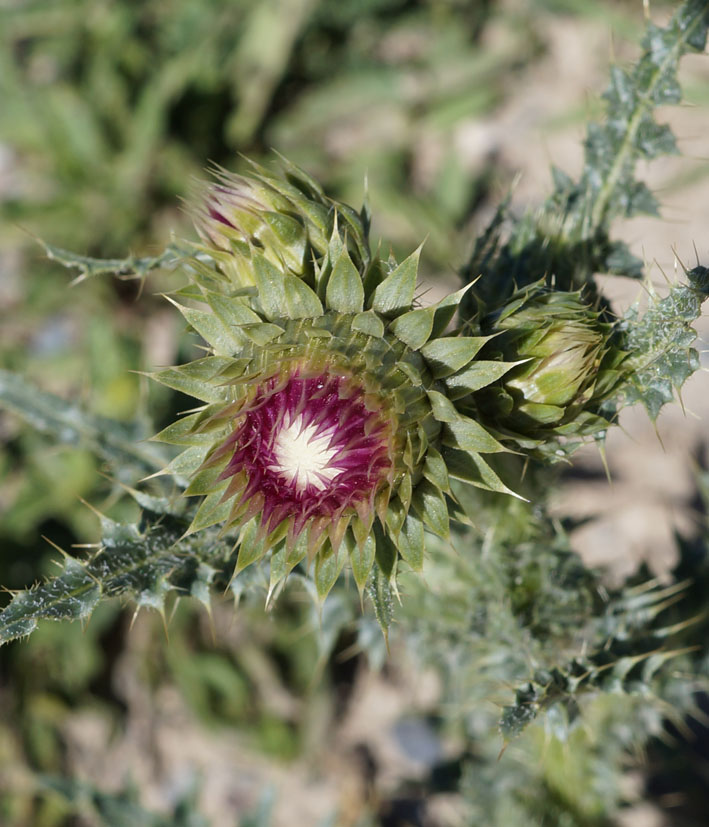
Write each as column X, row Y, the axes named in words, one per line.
column 567, row 364
column 324, row 429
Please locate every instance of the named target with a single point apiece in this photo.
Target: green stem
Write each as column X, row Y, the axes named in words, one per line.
column 598, row 213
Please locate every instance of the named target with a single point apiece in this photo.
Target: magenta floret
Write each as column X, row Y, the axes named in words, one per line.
column 308, row 447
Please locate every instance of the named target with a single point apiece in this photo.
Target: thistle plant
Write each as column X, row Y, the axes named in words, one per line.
column 339, row 424
column 336, row 418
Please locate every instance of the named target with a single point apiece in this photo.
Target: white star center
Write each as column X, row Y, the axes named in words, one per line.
column 303, row 456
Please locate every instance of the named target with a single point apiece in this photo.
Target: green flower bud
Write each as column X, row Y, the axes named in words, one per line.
column 562, row 365
column 237, row 213
column 562, row 343
column 287, row 219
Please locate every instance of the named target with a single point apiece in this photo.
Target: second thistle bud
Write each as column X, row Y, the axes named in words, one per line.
column 562, row 343
column 565, row 366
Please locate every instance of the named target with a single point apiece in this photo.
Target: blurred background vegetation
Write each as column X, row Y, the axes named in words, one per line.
column 108, row 111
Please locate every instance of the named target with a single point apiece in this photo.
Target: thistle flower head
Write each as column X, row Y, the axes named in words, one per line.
column 330, row 417
column 236, row 214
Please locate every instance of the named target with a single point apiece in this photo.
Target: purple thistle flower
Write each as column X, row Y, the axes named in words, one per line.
column 331, row 399
column 309, row 447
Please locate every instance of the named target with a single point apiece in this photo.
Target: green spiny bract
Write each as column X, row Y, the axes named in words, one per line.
column 327, row 421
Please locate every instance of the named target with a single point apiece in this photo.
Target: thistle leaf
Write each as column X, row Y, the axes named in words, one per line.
column 70, row 596
column 662, row 358
column 143, row 561
column 630, row 652
column 568, row 239
column 132, row 267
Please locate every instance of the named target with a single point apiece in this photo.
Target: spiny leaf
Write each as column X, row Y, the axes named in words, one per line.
column 630, row 132
column 568, row 239
column 70, row 596
column 518, row 715
column 130, row 267
column 662, row 358
column 143, row 561
column 631, row 650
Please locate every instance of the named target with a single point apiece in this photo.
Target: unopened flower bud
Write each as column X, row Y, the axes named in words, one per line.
column 562, row 365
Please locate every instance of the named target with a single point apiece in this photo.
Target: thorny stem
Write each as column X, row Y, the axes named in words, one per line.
column 646, row 103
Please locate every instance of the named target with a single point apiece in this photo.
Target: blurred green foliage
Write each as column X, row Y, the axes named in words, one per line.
column 109, row 109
